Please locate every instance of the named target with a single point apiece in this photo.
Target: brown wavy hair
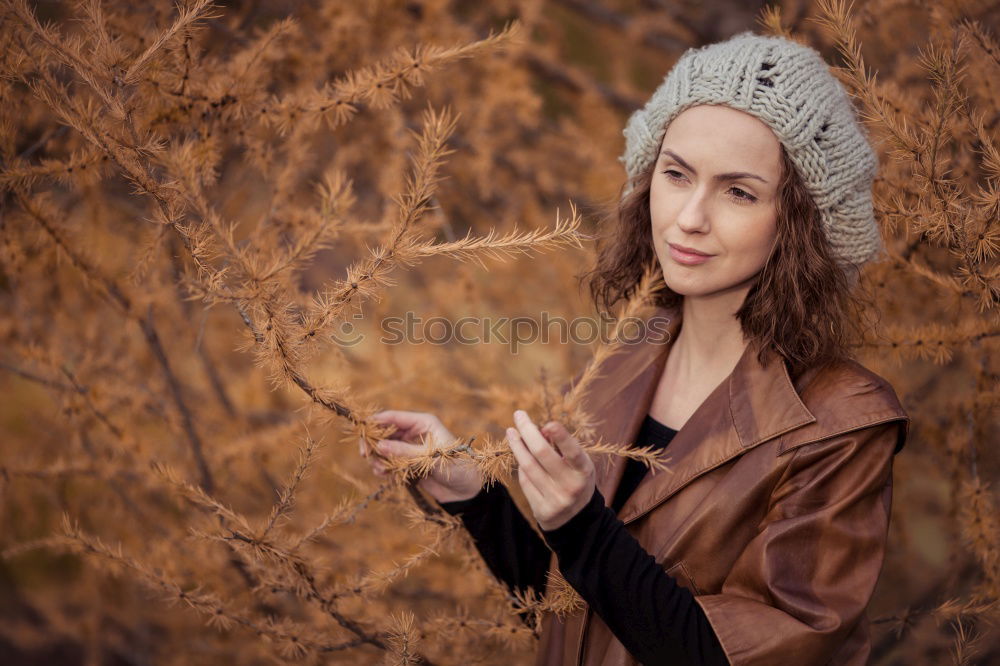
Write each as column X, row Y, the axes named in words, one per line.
column 803, row 304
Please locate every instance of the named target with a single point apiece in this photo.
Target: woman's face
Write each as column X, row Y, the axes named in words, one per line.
column 714, row 190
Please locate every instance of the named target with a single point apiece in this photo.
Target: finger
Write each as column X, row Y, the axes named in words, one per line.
column 389, row 420
column 532, row 493
column 572, row 452
column 396, row 447
column 527, row 464
column 540, row 447
column 403, row 420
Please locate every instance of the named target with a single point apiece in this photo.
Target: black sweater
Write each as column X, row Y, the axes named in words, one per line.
column 656, row 620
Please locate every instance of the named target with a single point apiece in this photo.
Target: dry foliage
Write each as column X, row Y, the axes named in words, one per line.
column 205, row 205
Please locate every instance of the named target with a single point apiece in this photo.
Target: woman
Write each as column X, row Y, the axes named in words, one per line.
column 750, row 185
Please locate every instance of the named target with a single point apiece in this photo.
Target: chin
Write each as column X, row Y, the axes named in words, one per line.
column 691, row 285
column 688, row 291
column 696, row 283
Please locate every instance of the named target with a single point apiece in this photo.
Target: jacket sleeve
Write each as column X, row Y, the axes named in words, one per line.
column 798, row 589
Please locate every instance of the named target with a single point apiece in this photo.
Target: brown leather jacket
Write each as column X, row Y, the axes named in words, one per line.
column 774, row 513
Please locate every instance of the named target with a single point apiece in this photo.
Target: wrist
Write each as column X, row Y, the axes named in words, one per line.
column 579, row 520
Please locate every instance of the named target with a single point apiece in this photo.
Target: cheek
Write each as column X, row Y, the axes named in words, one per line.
column 659, row 209
column 754, row 241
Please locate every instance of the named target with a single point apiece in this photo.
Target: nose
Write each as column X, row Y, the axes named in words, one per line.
column 693, row 216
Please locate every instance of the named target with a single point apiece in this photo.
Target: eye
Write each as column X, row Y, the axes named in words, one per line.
column 743, row 195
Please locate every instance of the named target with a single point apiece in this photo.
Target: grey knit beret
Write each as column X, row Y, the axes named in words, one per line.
column 789, row 87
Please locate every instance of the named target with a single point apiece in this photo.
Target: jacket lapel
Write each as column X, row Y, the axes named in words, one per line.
column 752, row 405
column 619, row 399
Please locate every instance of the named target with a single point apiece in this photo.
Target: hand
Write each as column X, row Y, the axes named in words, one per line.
column 557, row 485
column 449, row 481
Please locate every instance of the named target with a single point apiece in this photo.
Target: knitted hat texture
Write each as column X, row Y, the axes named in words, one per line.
column 789, row 87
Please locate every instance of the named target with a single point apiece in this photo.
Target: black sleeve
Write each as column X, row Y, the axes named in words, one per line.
column 657, row 620
column 512, row 550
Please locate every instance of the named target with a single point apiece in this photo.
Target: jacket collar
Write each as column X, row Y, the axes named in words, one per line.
column 752, row 405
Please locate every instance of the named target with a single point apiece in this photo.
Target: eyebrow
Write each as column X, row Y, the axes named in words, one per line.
column 722, row 177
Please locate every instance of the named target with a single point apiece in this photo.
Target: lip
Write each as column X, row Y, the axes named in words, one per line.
column 687, row 256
